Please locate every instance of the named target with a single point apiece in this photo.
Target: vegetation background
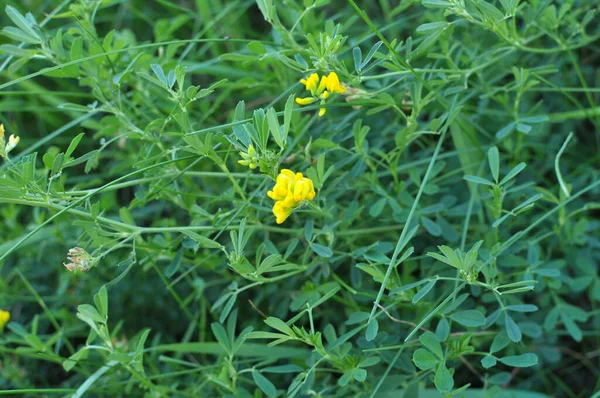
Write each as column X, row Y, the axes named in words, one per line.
column 452, row 248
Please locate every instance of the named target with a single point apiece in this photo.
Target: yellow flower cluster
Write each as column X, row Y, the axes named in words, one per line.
column 5, row 148
column 4, row 318
column 320, row 90
column 290, row 190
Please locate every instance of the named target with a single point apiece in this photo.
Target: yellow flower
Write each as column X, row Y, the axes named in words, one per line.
column 311, row 82
column 12, row 143
column 290, row 190
column 5, row 148
column 333, row 84
column 281, row 212
column 4, row 315
column 321, row 89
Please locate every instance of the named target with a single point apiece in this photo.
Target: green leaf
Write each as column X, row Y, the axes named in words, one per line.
column 369, row 362
column 431, row 26
column 70, row 363
column 488, row 361
column 274, row 127
column 91, row 313
column 572, row 328
column 469, row 318
column 436, row 3
column 506, row 130
column 372, row 329
column 523, row 128
column 221, row 335
column 139, row 348
column 73, row 145
column 513, row 173
column 430, row 341
column 409, row 286
column 101, row 301
column 280, row 325
column 287, row 117
column 500, row 378
column 500, row 341
column 227, row 307
column 257, row 47
column 452, row 256
column 21, row 22
column 19, row 35
column 282, row 369
column 160, row 74
column 427, row 43
column 357, row 55
column 494, row 162
column 371, row 53
column 535, row 119
column 512, row 330
column 77, row 49
column 322, row 143
column 308, row 230
column 264, row 384
column 57, row 165
column 16, row 51
column 471, row 256
column 345, row 379
column 443, row 379
column 321, row 250
column 268, row 263
column 360, row 375
column 424, row 291
column 424, row 360
column 478, row 180
column 522, row 308
column 377, row 207
column 493, row 14
column 431, row 226
column 442, row 330
column 203, row 240
column 126, row 216
column 520, row 361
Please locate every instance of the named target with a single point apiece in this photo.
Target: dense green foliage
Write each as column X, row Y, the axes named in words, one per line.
column 451, row 248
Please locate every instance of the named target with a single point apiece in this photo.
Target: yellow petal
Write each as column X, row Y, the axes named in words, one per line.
column 4, row 318
column 2, row 132
column 287, row 172
column 311, row 82
column 281, row 212
column 322, row 111
column 311, row 192
column 322, row 85
column 12, row 143
column 306, row 101
column 333, row 83
column 301, row 190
